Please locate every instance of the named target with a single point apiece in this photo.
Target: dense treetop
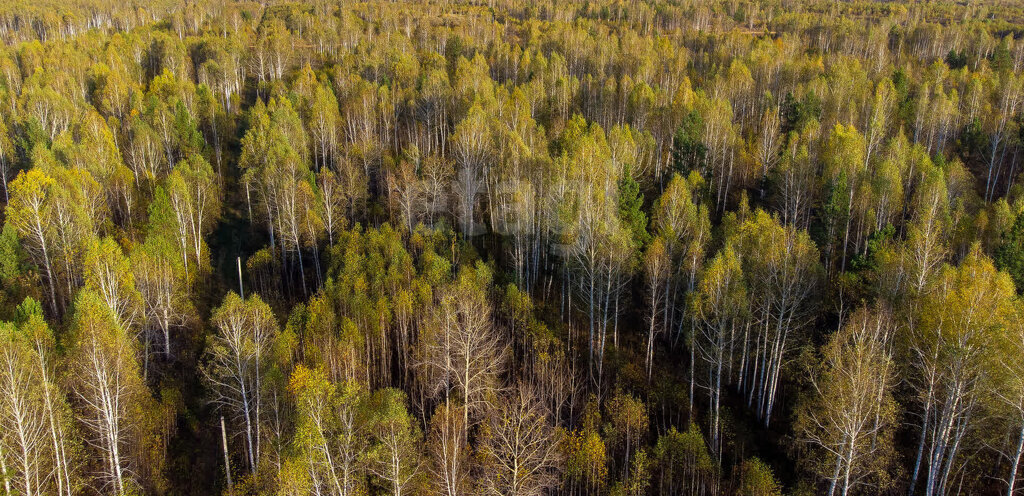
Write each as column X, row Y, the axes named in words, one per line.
column 511, row 248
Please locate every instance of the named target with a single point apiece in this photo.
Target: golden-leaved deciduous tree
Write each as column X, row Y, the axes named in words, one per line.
column 850, row 418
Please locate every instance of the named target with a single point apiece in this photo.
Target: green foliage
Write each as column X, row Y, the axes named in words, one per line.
column 955, row 59
column 10, row 254
column 797, row 113
column 394, row 456
column 627, row 178
column 688, row 149
column 1001, row 59
column 683, row 462
column 973, row 141
column 1009, row 255
column 876, row 242
column 586, row 459
column 757, row 479
column 631, row 203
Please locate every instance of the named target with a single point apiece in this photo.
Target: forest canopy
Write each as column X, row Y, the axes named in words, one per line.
column 658, row 247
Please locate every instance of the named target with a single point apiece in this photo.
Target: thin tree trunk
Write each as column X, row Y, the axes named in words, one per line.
column 835, row 476
column 849, row 466
column 1012, row 480
column 3, row 467
column 227, row 459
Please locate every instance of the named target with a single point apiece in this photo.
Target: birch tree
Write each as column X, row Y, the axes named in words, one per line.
column 109, row 275
column 329, row 433
column 522, row 448
column 850, row 417
column 29, row 464
column 34, row 337
column 781, row 267
column 469, row 353
column 109, row 392
column 957, row 321
column 29, row 211
column 719, row 306
column 471, row 146
column 394, row 454
column 237, row 361
column 1006, row 383
column 451, row 453
column 194, row 193
column 656, row 272
column 157, row 265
